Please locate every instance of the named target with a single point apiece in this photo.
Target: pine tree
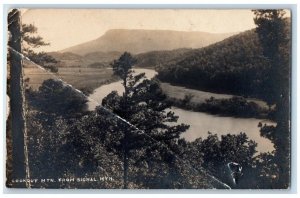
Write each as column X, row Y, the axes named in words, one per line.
column 30, row 42
column 274, row 37
column 144, row 106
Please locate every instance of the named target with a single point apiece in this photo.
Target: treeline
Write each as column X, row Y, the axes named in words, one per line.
column 235, row 106
column 236, row 66
column 156, row 58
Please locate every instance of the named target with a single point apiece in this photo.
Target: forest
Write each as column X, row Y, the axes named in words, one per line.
column 236, row 65
column 135, row 138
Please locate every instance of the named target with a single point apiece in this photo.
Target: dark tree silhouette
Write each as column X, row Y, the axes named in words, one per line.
column 273, row 32
column 216, row 153
column 16, row 133
column 53, row 97
column 144, row 105
column 30, row 42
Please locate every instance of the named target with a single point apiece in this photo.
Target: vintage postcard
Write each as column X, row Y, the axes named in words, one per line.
column 149, row 98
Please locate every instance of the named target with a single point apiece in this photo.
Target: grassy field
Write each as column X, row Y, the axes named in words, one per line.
column 179, row 93
column 85, row 79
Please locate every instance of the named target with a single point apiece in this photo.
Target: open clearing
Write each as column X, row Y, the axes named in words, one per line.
column 81, row 78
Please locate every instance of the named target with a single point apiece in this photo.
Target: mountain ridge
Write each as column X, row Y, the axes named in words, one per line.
column 138, row 41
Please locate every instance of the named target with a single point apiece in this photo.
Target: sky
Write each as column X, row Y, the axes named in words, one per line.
column 68, row 27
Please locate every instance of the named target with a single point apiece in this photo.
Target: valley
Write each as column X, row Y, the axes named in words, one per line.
column 180, row 72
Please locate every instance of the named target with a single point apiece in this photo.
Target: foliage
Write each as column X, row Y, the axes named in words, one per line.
column 266, row 172
column 42, row 58
column 274, row 36
column 229, row 66
column 53, row 97
column 235, row 65
column 30, row 41
column 143, row 105
column 214, row 154
column 122, row 66
column 44, row 142
column 235, row 106
column 72, row 149
column 157, row 58
column 65, row 140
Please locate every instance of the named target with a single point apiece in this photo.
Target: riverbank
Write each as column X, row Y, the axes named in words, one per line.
column 237, row 107
column 215, row 104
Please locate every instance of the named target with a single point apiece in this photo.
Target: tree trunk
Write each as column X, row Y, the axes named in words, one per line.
column 17, row 122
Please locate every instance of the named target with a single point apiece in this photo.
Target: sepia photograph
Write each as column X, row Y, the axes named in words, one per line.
column 149, row 98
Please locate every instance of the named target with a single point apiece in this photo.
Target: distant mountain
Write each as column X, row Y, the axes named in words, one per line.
column 139, row 41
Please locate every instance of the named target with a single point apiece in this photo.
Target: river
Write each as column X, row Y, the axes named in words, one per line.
column 200, row 123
